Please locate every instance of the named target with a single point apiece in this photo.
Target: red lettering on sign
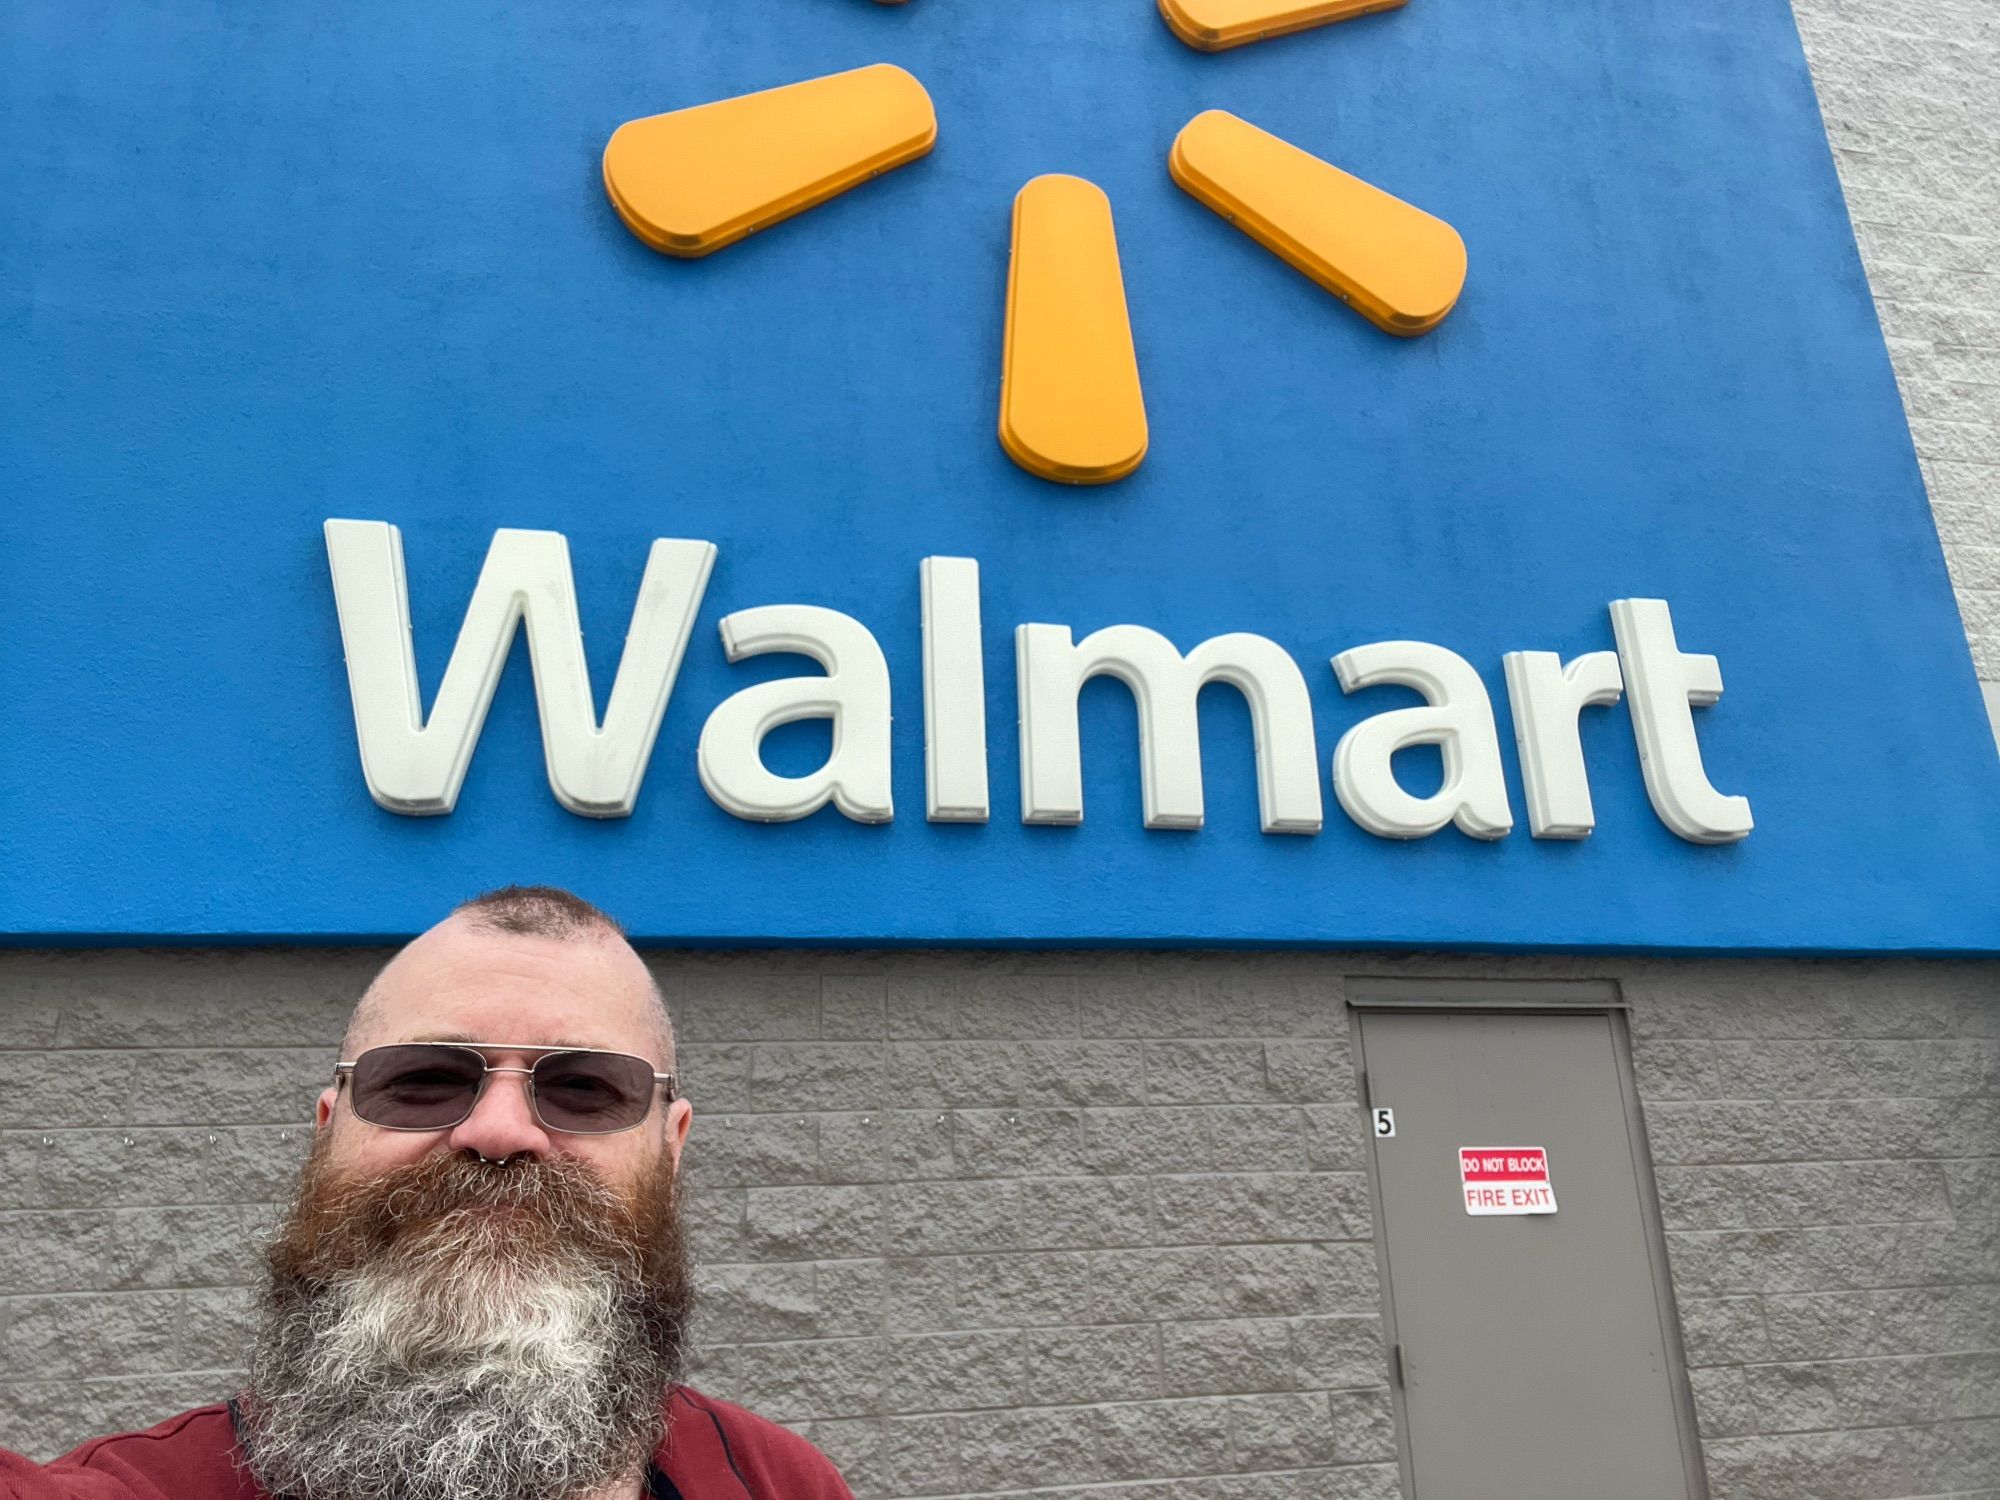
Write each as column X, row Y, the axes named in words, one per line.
column 1476, row 1164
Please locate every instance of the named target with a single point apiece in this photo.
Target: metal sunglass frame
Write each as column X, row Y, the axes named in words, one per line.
column 346, row 1070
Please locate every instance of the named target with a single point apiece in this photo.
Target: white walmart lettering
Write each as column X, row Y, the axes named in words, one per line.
column 415, row 764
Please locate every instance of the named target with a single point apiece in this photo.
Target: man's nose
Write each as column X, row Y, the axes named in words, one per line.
column 502, row 1123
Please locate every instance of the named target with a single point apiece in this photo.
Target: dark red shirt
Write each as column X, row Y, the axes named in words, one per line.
column 714, row 1451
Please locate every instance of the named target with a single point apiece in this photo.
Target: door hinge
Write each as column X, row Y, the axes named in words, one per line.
column 1367, row 1095
column 1396, row 1363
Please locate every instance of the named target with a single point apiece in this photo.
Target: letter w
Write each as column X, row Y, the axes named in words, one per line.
column 416, row 767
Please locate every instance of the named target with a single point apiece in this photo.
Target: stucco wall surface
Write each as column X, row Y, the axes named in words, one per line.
column 984, row 1224
column 1911, row 99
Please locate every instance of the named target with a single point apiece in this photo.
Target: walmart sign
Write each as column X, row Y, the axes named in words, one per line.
column 417, row 767
column 1026, row 526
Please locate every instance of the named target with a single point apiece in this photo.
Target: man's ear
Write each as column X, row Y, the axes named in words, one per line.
column 680, row 1114
column 323, row 1112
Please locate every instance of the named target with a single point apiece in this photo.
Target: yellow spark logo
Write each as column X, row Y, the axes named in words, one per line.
column 691, row 181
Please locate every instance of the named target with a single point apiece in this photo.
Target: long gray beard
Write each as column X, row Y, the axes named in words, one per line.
column 458, row 1370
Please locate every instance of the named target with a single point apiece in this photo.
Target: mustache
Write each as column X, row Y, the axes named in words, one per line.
column 527, row 1209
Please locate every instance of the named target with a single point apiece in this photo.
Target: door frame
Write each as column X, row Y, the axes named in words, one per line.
column 1366, row 994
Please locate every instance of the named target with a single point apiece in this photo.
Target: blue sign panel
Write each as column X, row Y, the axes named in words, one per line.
column 268, row 266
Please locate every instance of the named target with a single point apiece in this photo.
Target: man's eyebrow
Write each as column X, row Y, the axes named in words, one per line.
column 466, row 1037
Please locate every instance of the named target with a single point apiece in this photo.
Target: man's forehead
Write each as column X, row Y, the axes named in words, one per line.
column 460, row 983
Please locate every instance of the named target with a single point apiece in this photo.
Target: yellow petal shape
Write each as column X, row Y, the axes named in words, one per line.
column 1070, row 405
column 694, row 180
column 1215, row 24
column 1397, row 266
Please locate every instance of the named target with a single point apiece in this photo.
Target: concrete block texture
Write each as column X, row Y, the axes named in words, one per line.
column 1068, row 1223
column 1911, row 100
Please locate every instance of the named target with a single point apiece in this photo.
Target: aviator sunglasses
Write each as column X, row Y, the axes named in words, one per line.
column 435, row 1085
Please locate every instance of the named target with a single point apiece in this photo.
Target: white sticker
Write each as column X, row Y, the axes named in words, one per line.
column 1506, row 1180
column 1385, row 1123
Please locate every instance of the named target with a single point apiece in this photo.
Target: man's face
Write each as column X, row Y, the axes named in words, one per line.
column 439, row 1327
column 461, row 983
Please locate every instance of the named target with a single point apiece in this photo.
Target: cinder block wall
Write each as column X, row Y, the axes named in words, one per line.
column 1911, row 99
column 993, row 1223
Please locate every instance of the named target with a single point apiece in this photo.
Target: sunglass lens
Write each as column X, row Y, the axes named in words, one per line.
column 416, row 1087
column 592, row 1092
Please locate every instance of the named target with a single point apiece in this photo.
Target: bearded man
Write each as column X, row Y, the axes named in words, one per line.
column 481, row 1288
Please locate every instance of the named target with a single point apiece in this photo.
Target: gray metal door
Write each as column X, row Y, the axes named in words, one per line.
column 1537, row 1352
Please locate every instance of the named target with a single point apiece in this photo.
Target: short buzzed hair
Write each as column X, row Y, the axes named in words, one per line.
column 538, row 911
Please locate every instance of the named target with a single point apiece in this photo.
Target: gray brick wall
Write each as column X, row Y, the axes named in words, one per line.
column 1911, row 99
column 992, row 1223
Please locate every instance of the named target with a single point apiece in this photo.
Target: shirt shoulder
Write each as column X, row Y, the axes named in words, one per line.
column 717, row 1448
column 186, row 1455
